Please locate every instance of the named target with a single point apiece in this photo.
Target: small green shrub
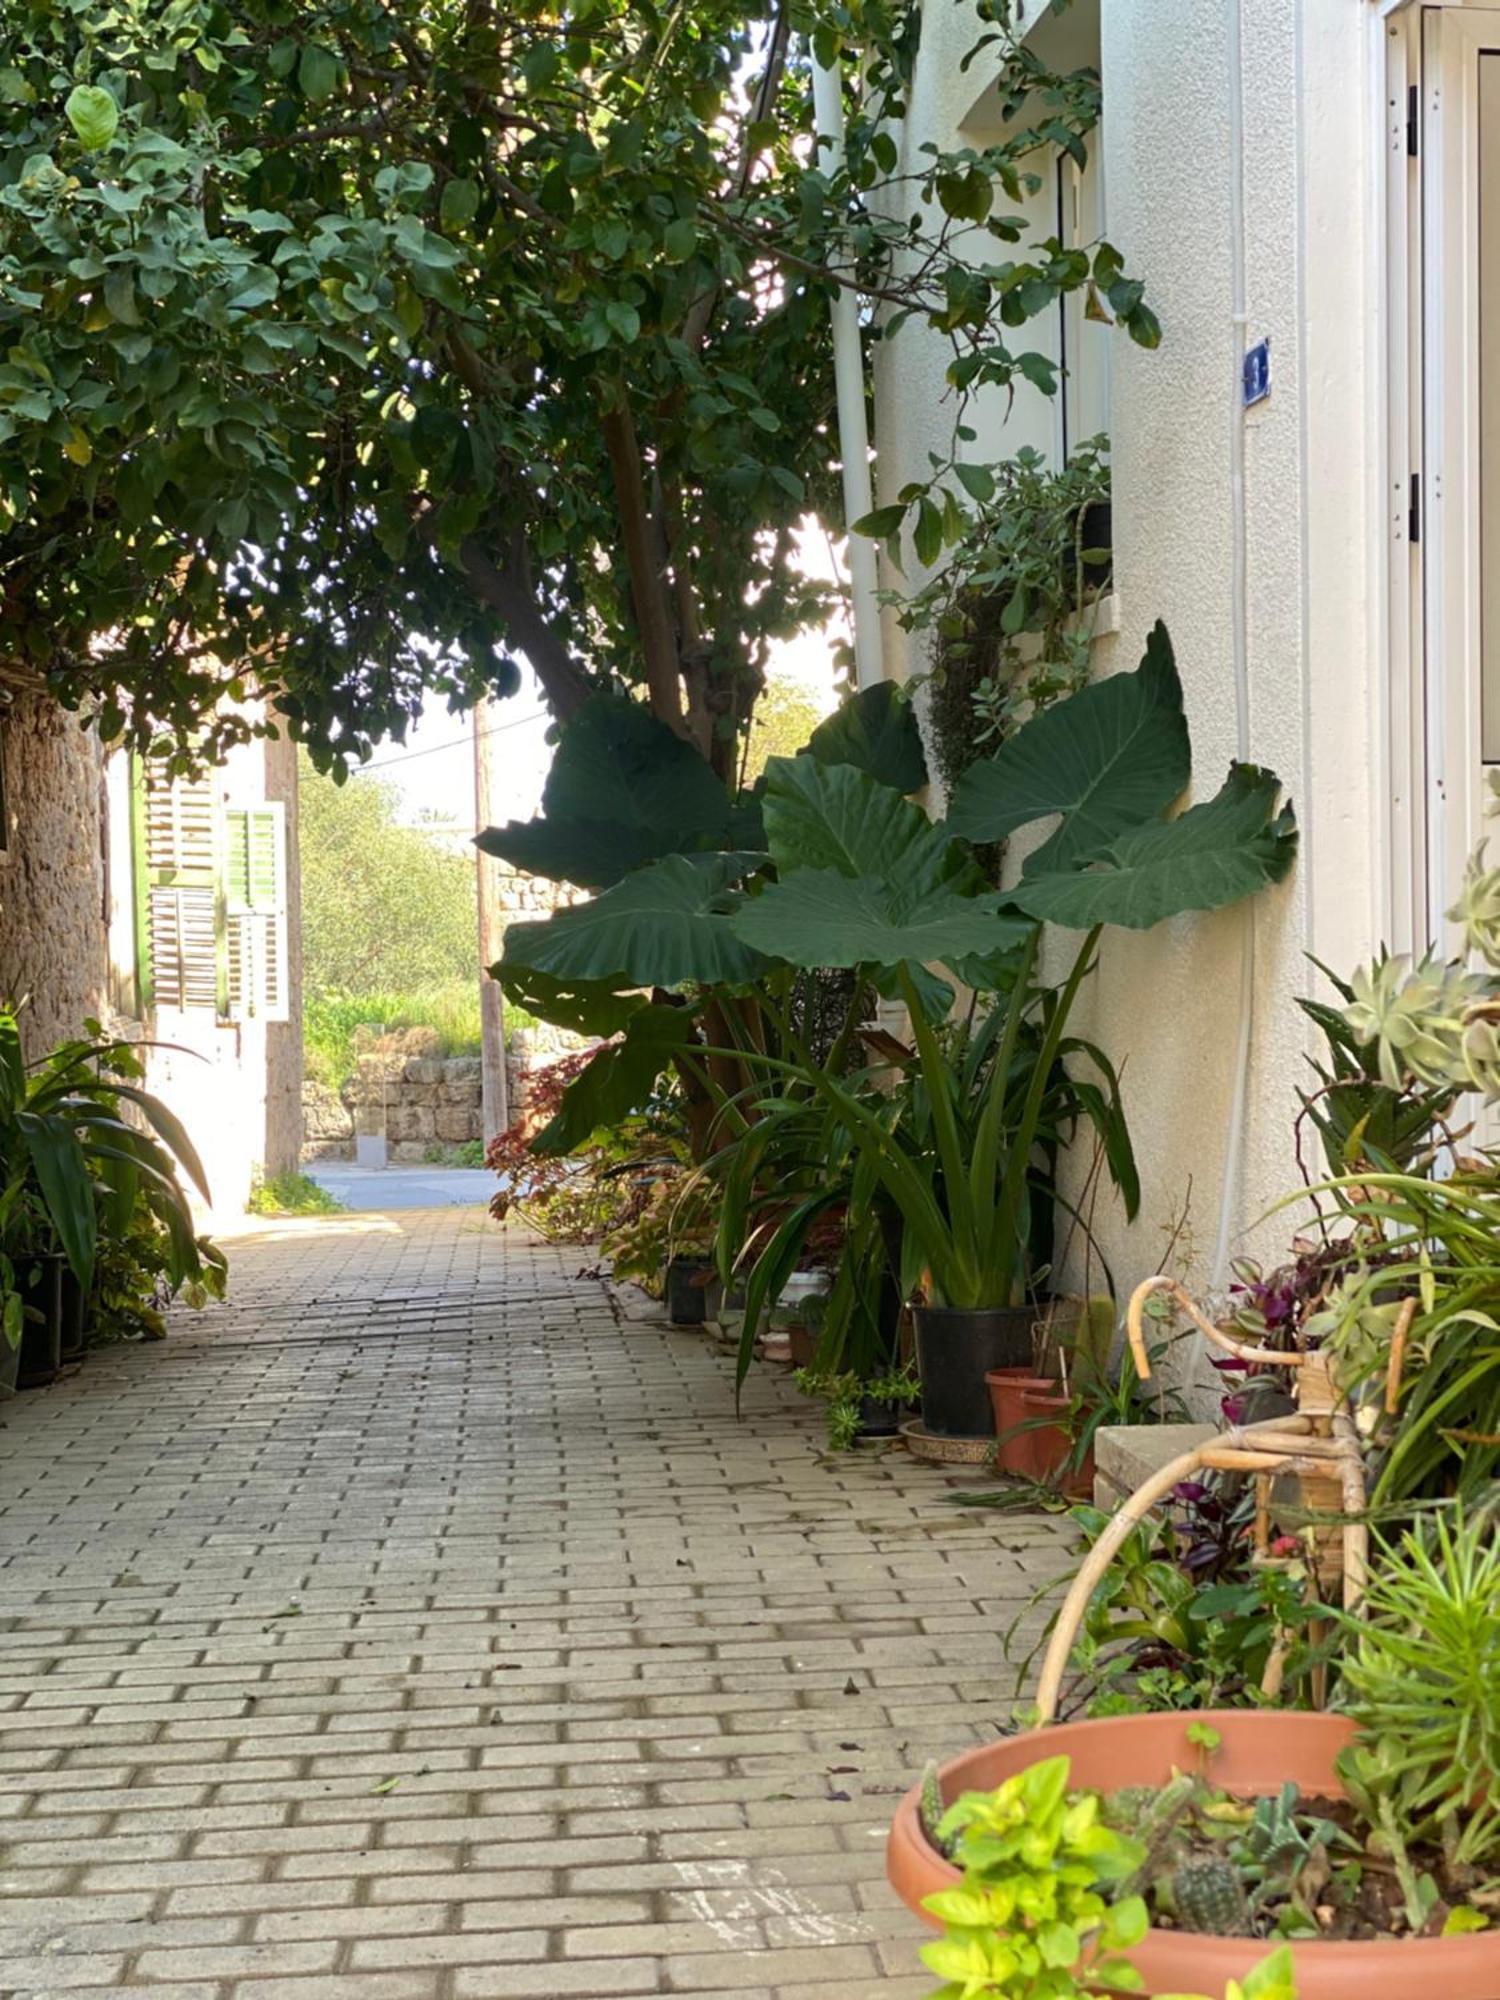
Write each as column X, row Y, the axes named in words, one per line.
column 292, row 1194
column 469, row 1153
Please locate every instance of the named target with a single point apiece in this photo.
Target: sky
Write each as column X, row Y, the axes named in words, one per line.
column 434, row 768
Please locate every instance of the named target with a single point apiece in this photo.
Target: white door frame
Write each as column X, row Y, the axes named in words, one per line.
column 1427, row 182
column 1453, row 40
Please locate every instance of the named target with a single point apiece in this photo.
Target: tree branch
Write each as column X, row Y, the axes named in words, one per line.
column 653, row 615
column 565, row 685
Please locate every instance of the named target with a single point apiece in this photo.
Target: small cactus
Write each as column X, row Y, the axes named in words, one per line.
column 1157, row 1828
column 1273, row 1841
column 932, row 1811
column 1210, row 1897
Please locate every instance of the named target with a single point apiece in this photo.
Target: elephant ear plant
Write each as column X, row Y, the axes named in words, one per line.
column 72, row 1165
column 853, row 874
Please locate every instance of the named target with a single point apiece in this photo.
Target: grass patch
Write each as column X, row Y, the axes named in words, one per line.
column 330, row 1022
column 292, row 1194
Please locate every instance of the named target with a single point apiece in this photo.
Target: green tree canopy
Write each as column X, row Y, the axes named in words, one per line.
column 352, row 347
column 385, row 908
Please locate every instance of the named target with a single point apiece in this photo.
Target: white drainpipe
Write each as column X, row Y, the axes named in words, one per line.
column 849, row 383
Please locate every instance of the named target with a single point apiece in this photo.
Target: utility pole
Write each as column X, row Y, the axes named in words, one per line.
column 491, row 929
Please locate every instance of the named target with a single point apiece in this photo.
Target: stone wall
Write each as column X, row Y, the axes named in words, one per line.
column 53, row 890
column 421, row 1100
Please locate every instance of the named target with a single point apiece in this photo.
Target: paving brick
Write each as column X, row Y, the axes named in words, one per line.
column 414, row 1503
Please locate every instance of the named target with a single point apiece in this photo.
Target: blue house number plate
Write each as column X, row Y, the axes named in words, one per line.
column 1258, row 373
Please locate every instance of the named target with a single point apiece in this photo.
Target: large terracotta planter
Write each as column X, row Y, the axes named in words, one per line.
column 1261, row 1749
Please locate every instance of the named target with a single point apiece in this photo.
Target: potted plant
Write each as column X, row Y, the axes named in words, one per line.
column 850, row 873
column 72, row 1170
column 868, row 1407
column 1367, row 1839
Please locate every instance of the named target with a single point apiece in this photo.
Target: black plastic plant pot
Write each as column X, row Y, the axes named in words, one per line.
column 688, row 1282
column 74, row 1304
column 956, row 1348
column 41, row 1286
column 879, row 1420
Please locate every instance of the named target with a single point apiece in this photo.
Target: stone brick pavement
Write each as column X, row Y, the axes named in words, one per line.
column 410, row 1628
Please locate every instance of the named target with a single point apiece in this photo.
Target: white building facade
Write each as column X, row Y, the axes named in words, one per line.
column 1311, row 174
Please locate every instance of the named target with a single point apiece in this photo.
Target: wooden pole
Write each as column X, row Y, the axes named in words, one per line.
column 491, row 928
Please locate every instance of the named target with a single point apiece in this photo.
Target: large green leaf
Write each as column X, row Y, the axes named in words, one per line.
column 1110, row 757
column 58, row 1162
column 618, row 1080
column 834, row 816
column 1211, row 855
column 874, row 731
column 661, row 926
column 623, row 790
column 818, row 916
column 582, row 1006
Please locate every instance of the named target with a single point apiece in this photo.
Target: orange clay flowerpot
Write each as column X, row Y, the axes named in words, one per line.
column 1260, row 1750
column 1048, row 1446
column 1006, row 1387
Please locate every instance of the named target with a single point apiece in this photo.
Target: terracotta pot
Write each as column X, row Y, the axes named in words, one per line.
column 1048, row 1446
column 1260, row 1750
column 1006, row 1386
column 804, row 1343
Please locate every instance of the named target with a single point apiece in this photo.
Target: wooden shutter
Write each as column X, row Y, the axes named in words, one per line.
column 255, row 912
column 178, row 889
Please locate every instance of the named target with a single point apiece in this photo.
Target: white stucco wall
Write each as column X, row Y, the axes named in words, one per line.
column 1168, row 1005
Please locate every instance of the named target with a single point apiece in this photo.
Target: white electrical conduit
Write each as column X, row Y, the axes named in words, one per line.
column 1234, row 1138
column 849, row 385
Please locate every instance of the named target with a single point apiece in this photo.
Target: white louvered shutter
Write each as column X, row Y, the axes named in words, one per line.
column 255, row 912
column 181, row 889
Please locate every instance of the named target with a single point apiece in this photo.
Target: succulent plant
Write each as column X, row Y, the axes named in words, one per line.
column 1273, row 1842
column 1210, row 1897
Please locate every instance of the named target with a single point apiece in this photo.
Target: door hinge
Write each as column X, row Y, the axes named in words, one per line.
column 1413, row 122
column 1414, row 510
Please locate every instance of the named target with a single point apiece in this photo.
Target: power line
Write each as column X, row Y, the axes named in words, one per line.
column 458, row 743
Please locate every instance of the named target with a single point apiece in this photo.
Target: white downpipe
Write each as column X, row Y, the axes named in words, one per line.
column 854, row 436
column 1234, row 1137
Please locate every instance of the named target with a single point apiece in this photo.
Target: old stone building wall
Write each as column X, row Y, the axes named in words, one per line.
column 53, row 885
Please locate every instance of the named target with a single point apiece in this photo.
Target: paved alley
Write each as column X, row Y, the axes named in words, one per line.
column 416, row 1627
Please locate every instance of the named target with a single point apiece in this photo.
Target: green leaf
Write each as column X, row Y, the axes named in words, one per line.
column 927, row 535
column 881, row 522
column 659, row 927
column 58, row 1162
column 93, row 115
column 119, row 295
column 623, row 320
column 459, row 204
column 976, row 480
column 317, row 72
column 876, row 731
column 835, row 816
column 1211, row 855
column 680, row 240
column 619, row 1079
column 623, row 789
column 1108, row 758
column 584, row 1007
column 818, row 916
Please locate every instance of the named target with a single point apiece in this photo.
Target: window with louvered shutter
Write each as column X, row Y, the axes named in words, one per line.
column 178, row 890
column 255, row 912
